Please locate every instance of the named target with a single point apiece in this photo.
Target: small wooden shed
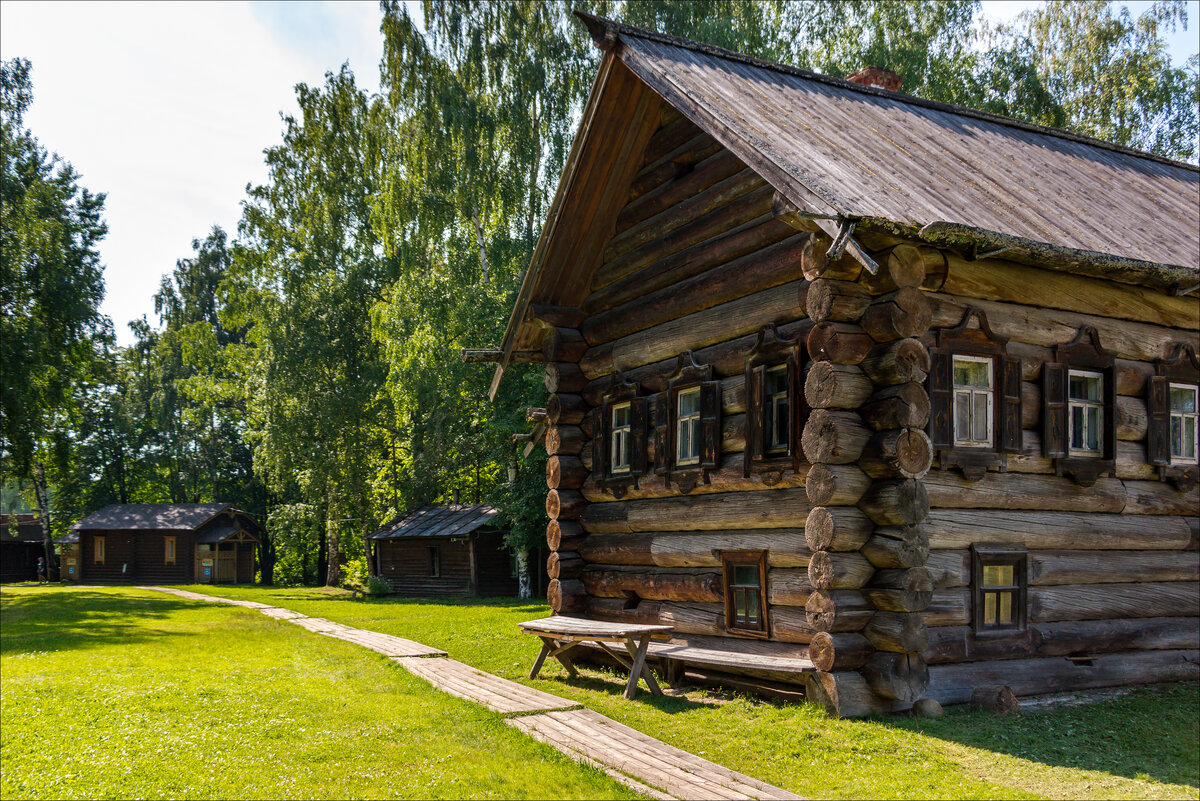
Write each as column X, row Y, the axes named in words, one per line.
column 445, row 550
column 20, row 547
column 204, row 543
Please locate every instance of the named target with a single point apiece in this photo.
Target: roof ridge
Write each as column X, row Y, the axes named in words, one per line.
column 605, row 32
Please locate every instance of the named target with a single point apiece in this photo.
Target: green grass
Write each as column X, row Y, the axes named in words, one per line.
column 1142, row 745
column 121, row 693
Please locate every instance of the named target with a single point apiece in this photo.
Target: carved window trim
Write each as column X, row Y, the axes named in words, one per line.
column 1006, row 430
column 772, row 352
column 1179, row 368
column 687, row 376
column 621, row 392
column 730, row 561
column 985, row 555
column 1083, row 354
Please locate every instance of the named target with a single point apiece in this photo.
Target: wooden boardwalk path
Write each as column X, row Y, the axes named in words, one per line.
column 637, row 760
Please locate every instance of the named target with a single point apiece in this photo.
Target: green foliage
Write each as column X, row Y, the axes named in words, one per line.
column 377, row 586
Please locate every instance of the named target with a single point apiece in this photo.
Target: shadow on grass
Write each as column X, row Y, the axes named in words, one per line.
column 1151, row 733
column 79, row 619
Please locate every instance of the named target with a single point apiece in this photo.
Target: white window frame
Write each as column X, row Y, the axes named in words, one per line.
column 691, row 420
column 778, row 444
column 620, row 444
column 990, row 392
column 1083, row 405
column 1193, row 417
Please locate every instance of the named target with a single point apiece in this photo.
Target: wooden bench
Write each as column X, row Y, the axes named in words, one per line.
column 559, row 635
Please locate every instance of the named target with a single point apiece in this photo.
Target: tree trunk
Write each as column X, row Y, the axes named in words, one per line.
column 523, row 590
column 43, row 502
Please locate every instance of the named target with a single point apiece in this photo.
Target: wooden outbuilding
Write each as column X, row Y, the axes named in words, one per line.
column 445, row 551
column 20, row 546
column 166, row 543
column 866, row 395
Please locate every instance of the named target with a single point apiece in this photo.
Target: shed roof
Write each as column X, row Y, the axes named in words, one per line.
column 222, row 531
column 156, row 516
column 438, row 521
column 28, row 528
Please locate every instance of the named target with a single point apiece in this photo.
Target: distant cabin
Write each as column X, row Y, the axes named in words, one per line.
column 20, row 547
column 169, row 543
column 447, row 550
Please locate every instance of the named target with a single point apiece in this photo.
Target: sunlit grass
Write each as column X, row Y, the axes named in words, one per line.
column 1143, row 745
column 121, row 693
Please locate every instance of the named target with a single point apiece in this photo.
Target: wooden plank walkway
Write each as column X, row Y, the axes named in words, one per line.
column 682, row 775
column 637, row 760
column 497, row 694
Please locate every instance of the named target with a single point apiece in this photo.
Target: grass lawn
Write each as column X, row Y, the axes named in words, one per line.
column 1142, row 745
column 121, row 693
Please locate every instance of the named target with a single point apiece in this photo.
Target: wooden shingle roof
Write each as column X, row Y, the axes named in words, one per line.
column 152, row 516
column 438, row 521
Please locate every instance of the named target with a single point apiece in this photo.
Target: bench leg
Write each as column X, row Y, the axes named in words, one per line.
column 639, row 669
column 560, row 654
column 547, row 647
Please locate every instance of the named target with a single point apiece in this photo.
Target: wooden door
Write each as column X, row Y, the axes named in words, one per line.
column 226, row 563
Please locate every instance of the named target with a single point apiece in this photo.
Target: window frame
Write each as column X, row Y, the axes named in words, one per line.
column 624, row 433
column 435, row 561
column 772, row 446
column 99, row 549
column 1183, row 459
column 999, row 556
column 169, row 552
column 692, row 419
column 729, row 561
column 972, row 391
column 1074, row 403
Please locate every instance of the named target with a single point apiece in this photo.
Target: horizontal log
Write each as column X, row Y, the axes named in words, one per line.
column 564, row 504
column 552, row 316
column 481, row 355
column 839, row 571
column 950, row 490
column 901, row 361
column 687, row 618
column 674, row 131
column 900, row 677
column 897, row 453
column 785, row 508
column 953, row 684
column 902, row 314
column 730, row 477
column 840, row 343
column 564, row 535
column 836, row 301
column 716, row 167
column 835, row 485
column 897, row 547
column 1015, row 283
column 1130, row 461
column 565, row 409
column 1158, row 498
column 790, row 624
column 563, row 344
column 566, row 596
column 952, row 568
column 1100, row 601
column 848, row 651
column 788, row 587
column 836, row 386
column 1097, row 567
column 563, row 565
column 564, row 377
column 566, row 440
column 948, row 607
column 565, row 472
column 896, row 502
column 899, row 406
column 701, row 329
column 1130, row 413
column 834, row 437
column 656, row 584
column 816, row 263
column 897, row 632
column 785, row 547
column 836, row 528
column 844, row 695
column 902, row 266
column 838, row 610
column 959, row 643
column 907, row 590
column 959, row 528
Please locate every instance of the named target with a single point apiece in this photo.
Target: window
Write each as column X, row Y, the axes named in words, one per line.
column 776, row 423
column 973, row 401
column 1185, row 423
column 999, row 579
column 1085, row 400
column 745, row 610
column 99, row 552
column 687, row 427
column 621, row 438
column 435, row 561
column 169, row 550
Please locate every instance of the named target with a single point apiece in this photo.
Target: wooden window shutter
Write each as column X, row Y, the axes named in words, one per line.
column 1054, row 410
column 941, row 399
column 798, row 409
column 663, row 449
column 603, row 439
column 639, row 424
column 710, row 424
column 1109, row 448
column 1010, row 431
column 755, row 411
column 1158, row 413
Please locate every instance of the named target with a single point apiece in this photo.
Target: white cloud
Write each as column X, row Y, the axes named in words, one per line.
column 167, row 107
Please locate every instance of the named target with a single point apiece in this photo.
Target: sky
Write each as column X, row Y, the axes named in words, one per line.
column 167, row 108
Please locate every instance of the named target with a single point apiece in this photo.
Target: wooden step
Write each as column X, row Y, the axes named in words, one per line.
column 497, row 694
column 708, row 657
column 675, row 772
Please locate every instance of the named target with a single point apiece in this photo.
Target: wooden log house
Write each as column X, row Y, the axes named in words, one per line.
column 870, row 395
column 20, row 546
column 165, row 543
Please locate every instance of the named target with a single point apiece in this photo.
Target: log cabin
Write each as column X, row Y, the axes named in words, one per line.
column 451, row 550
column 870, row 397
column 164, row 543
column 20, row 546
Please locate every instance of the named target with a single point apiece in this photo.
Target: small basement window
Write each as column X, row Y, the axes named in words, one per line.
column 621, row 442
column 1185, row 423
column 999, row 589
column 687, row 427
column 1085, row 400
column 435, row 561
column 99, row 550
column 973, row 399
column 745, row 578
column 776, row 423
column 169, row 550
